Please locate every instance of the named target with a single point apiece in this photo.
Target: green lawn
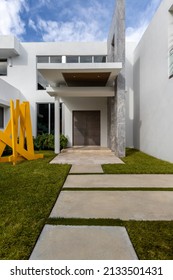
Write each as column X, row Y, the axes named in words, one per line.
column 28, row 192
column 152, row 240
column 137, row 162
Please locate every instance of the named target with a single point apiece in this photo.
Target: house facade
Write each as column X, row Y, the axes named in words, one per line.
column 107, row 94
column 74, row 88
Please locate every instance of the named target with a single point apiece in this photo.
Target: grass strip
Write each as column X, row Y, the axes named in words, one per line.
column 137, row 162
column 85, row 222
column 28, row 192
column 118, row 189
column 86, row 174
column 152, row 240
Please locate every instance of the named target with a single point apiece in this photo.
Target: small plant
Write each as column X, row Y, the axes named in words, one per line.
column 44, row 142
column 63, row 142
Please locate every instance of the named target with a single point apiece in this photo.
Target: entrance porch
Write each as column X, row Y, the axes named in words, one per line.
column 83, row 89
column 86, row 155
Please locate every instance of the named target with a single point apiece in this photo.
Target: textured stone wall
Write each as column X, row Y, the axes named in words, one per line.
column 116, row 104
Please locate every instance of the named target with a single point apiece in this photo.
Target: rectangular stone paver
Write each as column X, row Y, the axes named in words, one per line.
column 108, row 181
column 83, row 243
column 92, row 168
column 87, row 158
column 125, row 205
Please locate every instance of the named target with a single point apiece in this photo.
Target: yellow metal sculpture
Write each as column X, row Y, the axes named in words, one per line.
column 18, row 130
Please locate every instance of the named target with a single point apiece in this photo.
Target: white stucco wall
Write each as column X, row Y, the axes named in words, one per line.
column 8, row 92
column 153, row 90
column 9, row 46
column 82, row 103
column 130, row 46
column 22, row 74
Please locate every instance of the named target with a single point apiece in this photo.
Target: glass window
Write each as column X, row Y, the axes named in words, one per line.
column 86, row 59
column 60, row 118
column 72, row 59
column 45, row 118
column 1, row 117
column 3, row 67
column 42, row 59
column 171, row 63
column 42, row 118
column 56, row 59
column 52, row 117
column 100, row 58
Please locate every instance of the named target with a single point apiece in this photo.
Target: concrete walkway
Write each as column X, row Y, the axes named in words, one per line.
column 118, row 181
column 125, row 205
column 96, row 242
column 86, row 156
column 83, row 243
column 92, row 168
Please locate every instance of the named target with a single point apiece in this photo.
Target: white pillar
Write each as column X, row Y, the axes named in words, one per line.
column 57, row 126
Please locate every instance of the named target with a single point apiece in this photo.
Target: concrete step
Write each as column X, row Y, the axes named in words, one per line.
column 87, row 149
column 86, row 158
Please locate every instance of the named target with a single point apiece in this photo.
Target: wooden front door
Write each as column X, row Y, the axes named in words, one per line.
column 86, row 128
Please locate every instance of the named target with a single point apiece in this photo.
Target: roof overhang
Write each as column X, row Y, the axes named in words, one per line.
column 80, row 91
column 9, row 46
column 89, row 75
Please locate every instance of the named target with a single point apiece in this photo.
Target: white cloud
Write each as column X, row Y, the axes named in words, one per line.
column 134, row 34
column 32, row 25
column 81, row 24
column 10, row 20
column 69, row 31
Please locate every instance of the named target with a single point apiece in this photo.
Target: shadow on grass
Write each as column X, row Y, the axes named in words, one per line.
column 131, row 152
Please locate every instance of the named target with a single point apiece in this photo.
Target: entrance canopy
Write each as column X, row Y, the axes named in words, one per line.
column 80, row 79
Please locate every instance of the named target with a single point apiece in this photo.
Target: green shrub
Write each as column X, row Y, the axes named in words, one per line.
column 43, row 141
column 46, row 142
column 63, row 142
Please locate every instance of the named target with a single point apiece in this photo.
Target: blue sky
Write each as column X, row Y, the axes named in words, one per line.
column 71, row 20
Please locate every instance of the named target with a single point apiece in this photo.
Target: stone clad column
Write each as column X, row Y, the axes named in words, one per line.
column 57, row 125
column 116, row 104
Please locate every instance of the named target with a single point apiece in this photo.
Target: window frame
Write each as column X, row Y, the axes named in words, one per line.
column 58, row 57
column 49, row 117
column 83, row 57
column 104, row 57
column 2, row 60
column 43, row 56
column 72, row 56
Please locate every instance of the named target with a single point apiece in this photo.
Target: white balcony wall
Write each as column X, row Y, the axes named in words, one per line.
column 130, row 46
